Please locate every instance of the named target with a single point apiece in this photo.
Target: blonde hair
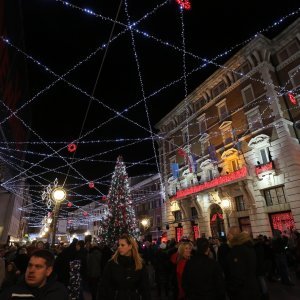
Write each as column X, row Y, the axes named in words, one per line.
column 181, row 249
column 138, row 261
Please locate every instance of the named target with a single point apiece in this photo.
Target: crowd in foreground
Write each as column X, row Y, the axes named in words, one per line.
column 208, row 269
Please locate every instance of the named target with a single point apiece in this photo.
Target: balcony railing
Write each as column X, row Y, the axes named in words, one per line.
column 241, row 173
column 265, row 167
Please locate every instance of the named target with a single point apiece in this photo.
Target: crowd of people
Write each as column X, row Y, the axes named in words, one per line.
column 208, row 269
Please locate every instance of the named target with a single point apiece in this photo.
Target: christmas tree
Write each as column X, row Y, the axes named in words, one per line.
column 121, row 216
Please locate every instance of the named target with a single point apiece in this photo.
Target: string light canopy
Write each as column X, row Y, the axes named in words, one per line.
column 36, row 171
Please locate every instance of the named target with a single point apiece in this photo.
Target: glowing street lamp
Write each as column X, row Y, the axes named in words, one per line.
column 226, row 206
column 145, row 223
column 58, row 195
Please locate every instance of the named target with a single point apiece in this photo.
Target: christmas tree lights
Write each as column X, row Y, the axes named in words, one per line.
column 121, row 216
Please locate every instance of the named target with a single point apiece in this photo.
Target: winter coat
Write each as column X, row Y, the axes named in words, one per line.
column 241, row 273
column 62, row 264
column 203, row 279
column 94, row 262
column 120, row 281
column 52, row 290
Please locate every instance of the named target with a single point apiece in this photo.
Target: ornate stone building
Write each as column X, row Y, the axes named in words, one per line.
column 230, row 152
column 149, row 205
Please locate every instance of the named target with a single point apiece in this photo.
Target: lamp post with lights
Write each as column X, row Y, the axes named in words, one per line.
column 145, row 223
column 58, row 195
column 226, row 206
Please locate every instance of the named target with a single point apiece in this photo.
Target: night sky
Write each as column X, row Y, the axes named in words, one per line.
column 135, row 75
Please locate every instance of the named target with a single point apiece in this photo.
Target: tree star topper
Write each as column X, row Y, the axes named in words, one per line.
column 185, row 4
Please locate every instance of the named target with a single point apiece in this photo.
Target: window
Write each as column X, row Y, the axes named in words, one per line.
column 158, row 221
column 234, row 165
column 295, row 77
column 177, row 215
column 226, row 130
column 254, row 119
column 242, row 70
column 202, row 124
column 288, row 51
column 194, row 212
column 204, row 147
column 185, row 135
column 248, row 94
column 264, row 155
column 239, row 203
column 274, row 196
column 171, row 145
column 218, row 89
column 222, row 109
column 199, row 104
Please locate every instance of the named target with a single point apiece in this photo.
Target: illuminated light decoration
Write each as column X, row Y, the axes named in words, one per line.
column 85, row 213
column 181, row 152
column 91, row 185
column 283, row 221
column 196, row 232
column 215, row 216
column 215, row 182
column 104, row 198
column 292, row 98
column 275, row 24
column 264, row 168
column 72, row 147
column 179, row 233
column 69, row 204
column 185, row 4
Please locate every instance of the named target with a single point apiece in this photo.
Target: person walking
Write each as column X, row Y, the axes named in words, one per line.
column 202, row 276
column 180, row 259
column 241, row 270
column 38, row 283
column 125, row 276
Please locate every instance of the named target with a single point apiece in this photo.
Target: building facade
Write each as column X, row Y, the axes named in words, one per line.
column 149, row 206
column 86, row 220
column 230, row 152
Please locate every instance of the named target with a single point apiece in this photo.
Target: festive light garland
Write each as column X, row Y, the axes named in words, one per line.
column 90, row 12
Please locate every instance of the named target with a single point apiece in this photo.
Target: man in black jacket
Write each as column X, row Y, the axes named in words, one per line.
column 202, row 276
column 39, row 283
column 241, row 279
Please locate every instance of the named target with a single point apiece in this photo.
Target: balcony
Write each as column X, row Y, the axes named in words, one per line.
column 221, row 180
column 261, row 170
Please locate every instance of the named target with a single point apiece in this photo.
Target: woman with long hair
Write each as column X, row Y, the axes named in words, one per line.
column 180, row 259
column 125, row 276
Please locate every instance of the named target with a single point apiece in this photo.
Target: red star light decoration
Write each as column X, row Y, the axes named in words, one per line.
column 91, row 185
column 69, row 204
column 185, row 4
column 292, row 98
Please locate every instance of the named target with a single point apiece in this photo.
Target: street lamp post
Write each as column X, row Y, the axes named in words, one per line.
column 58, row 195
column 145, row 223
column 226, row 205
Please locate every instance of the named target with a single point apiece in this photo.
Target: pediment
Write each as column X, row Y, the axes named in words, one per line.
column 259, row 141
column 225, row 124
